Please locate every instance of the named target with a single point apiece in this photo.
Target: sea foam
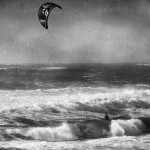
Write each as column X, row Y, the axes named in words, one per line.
column 83, row 130
column 130, row 127
column 64, row 132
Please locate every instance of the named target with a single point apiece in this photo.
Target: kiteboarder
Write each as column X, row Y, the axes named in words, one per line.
column 106, row 116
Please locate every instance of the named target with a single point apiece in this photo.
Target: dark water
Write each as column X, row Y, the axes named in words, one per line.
column 29, row 77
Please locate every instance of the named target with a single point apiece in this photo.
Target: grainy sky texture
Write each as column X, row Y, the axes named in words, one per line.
column 84, row 31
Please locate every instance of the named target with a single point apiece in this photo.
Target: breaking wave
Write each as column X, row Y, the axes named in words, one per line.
column 130, row 127
column 89, row 129
column 64, row 132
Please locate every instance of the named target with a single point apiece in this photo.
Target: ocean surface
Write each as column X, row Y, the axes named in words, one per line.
column 62, row 107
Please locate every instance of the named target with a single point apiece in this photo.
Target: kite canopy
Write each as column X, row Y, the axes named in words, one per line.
column 44, row 12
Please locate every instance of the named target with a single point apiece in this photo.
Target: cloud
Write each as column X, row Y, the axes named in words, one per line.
column 98, row 42
column 83, row 42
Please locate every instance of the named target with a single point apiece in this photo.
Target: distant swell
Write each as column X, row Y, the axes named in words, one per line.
column 83, row 130
column 20, row 85
column 12, row 85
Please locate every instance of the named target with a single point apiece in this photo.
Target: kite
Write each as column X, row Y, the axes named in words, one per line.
column 44, row 12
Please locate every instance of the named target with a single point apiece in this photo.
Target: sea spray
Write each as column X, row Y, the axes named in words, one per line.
column 64, row 132
column 130, row 127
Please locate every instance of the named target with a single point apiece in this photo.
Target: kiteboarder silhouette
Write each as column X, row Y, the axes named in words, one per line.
column 106, row 116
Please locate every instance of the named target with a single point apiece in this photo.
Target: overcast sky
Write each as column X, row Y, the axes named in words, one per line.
column 84, row 31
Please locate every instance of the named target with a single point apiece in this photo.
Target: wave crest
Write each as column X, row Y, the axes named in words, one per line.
column 130, row 127
column 88, row 129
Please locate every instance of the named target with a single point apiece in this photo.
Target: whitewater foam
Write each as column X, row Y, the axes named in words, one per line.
column 88, row 129
column 64, row 132
column 130, row 127
column 52, row 68
column 96, row 99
